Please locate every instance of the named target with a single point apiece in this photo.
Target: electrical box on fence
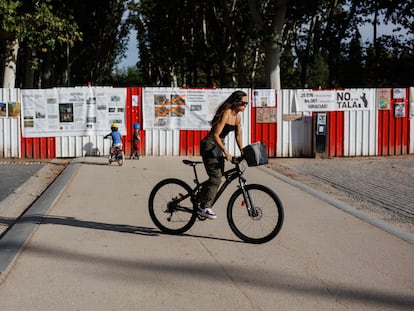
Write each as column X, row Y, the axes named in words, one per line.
column 321, row 131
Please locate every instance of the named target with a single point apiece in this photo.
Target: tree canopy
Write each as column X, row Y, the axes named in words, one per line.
column 62, row 42
column 254, row 43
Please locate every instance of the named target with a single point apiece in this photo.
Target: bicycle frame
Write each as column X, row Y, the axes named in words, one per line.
column 229, row 175
column 114, row 150
column 174, row 205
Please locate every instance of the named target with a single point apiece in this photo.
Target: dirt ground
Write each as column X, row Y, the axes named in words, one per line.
column 381, row 187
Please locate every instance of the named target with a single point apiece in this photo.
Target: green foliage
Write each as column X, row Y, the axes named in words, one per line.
column 64, row 42
column 38, row 24
column 104, row 31
column 194, row 43
column 8, row 15
column 43, row 28
column 130, row 76
column 318, row 72
column 40, row 28
column 204, row 43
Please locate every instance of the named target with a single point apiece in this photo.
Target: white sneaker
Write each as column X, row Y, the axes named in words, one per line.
column 207, row 212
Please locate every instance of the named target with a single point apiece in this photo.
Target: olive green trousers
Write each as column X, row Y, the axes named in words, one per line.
column 214, row 168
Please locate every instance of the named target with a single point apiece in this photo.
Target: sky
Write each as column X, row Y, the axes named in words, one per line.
column 132, row 52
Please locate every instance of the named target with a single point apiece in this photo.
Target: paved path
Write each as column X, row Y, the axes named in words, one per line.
column 97, row 249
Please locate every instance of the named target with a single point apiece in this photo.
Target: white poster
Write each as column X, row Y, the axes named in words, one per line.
column 411, row 103
column 181, row 109
column 264, row 98
column 78, row 111
column 398, row 93
column 336, row 100
column 309, row 100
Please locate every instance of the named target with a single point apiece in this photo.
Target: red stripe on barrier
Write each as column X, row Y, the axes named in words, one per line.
column 393, row 130
column 134, row 115
column 38, row 148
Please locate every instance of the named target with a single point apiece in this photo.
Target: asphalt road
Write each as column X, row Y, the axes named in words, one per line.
column 22, row 182
column 16, row 173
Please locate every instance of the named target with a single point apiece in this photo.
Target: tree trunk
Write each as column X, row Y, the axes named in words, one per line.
column 272, row 48
column 28, row 81
column 272, row 65
column 9, row 78
column 241, row 68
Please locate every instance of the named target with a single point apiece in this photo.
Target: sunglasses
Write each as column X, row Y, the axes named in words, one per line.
column 244, row 103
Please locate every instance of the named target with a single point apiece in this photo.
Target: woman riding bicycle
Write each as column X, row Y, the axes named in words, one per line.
column 213, row 150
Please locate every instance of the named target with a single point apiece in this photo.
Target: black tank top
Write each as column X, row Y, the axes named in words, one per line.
column 226, row 130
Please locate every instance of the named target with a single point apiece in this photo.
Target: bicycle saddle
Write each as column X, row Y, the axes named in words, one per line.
column 192, row 163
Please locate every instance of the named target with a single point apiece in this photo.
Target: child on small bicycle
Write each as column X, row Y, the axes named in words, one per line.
column 135, row 142
column 116, row 138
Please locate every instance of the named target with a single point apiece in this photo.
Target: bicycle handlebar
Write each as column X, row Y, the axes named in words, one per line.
column 237, row 160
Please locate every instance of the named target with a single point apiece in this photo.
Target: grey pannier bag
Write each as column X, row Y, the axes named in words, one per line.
column 255, row 154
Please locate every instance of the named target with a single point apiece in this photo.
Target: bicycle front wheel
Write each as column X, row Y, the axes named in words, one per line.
column 260, row 227
column 170, row 206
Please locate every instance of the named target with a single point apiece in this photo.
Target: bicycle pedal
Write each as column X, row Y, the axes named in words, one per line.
column 201, row 218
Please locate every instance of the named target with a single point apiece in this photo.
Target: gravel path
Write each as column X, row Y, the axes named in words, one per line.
column 380, row 186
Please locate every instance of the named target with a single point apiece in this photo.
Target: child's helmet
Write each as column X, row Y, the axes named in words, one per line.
column 136, row 126
column 114, row 126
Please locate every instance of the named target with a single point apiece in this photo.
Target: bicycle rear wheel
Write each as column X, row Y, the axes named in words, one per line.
column 170, row 206
column 262, row 227
column 120, row 158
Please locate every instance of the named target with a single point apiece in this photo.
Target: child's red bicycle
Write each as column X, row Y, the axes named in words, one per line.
column 116, row 155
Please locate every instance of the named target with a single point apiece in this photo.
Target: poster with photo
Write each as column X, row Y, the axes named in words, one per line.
column 65, row 113
column 398, row 93
column 264, row 98
column 176, row 108
column 399, row 110
column 266, row 115
column 10, row 109
column 80, row 111
column 3, row 109
column 383, row 99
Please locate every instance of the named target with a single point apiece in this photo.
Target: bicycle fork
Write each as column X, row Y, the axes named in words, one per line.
column 251, row 208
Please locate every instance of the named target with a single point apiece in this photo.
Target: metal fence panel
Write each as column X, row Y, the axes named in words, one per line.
column 295, row 136
column 10, row 125
column 10, row 138
column 350, row 133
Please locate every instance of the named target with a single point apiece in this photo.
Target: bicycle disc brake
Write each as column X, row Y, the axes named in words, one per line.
column 256, row 213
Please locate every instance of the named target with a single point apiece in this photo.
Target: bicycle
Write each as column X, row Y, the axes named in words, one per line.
column 255, row 213
column 116, row 155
